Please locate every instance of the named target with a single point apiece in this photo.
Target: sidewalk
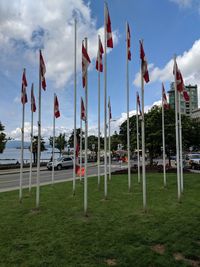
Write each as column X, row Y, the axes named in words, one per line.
column 25, row 170
column 34, row 169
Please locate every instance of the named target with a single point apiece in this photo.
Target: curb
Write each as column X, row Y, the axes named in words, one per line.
column 18, row 171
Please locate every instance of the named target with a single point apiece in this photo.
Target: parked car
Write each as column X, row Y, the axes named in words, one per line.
column 193, row 160
column 60, row 163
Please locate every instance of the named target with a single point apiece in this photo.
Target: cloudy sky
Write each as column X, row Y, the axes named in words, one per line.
column 167, row 27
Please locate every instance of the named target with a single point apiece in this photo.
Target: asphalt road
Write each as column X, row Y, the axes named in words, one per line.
column 9, row 180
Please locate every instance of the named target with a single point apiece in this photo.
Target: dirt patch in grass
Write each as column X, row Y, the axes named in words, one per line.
column 111, row 262
column 34, row 211
column 180, row 257
column 158, row 248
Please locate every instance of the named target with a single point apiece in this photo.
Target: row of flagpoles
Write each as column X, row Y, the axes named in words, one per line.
column 100, row 67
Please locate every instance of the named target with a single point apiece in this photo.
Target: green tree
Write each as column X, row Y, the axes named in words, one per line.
column 153, row 132
column 71, row 138
column 93, row 140
column 35, row 147
column 60, row 142
column 115, row 140
column 3, row 138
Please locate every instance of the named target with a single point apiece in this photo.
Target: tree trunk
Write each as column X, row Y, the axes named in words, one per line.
column 35, row 157
column 151, row 159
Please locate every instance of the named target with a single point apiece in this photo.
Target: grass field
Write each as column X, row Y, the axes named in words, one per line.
column 116, row 233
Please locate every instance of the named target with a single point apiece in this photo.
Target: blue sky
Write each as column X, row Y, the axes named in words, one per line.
column 167, row 27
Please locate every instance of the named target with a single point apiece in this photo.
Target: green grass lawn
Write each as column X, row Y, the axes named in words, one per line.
column 116, row 233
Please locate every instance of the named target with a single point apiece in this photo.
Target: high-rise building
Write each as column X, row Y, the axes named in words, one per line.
column 186, row 106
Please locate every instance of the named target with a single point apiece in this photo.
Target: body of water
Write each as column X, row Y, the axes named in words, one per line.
column 12, row 155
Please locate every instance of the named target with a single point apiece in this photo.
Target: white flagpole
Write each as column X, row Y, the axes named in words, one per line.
column 128, row 130
column 109, row 143
column 31, row 147
column 180, row 140
column 80, row 176
column 98, row 156
column 138, row 144
column 22, row 149
column 39, row 141
column 105, row 107
column 177, row 134
column 53, row 155
column 163, row 139
column 86, row 141
column 143, row 144
column 74, row 169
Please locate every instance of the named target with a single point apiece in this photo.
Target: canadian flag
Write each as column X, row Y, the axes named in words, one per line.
column 144, row 67
column 186, row 95
column 83, row 115
column 85, row 63
column 108, row 28
column 179, row 79
column 164, row 98
column 56, row 108
column 99, row 61
column 109, row 109
column 24, row 98
column 42, row 71
column 33, row 105
column 129, row 42
column 138, row 103
column 79, row 171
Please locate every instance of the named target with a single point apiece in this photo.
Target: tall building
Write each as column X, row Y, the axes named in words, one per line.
column 186, row 106
column 196, row 114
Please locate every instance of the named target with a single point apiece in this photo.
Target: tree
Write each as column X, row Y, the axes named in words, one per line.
column 35, row 147
column 60, row 142
column 3, row 138
column 71, row 138
column 153, row 132
column 93, row 140
column 115, row 140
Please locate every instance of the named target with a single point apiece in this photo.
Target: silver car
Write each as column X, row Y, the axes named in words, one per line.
column 60, row 163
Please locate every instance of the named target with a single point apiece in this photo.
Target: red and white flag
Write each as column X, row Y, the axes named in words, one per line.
column 83, row 115
column 186, row 95
column 108, row 29
column 138, row 103
column 76, row 159
column 99, row 60
column 56, row 108
column 129, row 42
column 42, row 71
column 33, row 104
column 179, row 79
column 164, row 98
column 144, row 66
column 85, row 63
column 24, row 98
column 109, row 110
column 79, row 171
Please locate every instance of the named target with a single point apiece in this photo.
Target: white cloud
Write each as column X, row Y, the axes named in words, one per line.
column 192, row 4
column 26, row 26
column 188, row 63
column 17, row 99
column 46, row 132
column 118, row 121
column 183, row 3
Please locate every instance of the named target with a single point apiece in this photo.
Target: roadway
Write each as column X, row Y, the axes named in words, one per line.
column 9, row 179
